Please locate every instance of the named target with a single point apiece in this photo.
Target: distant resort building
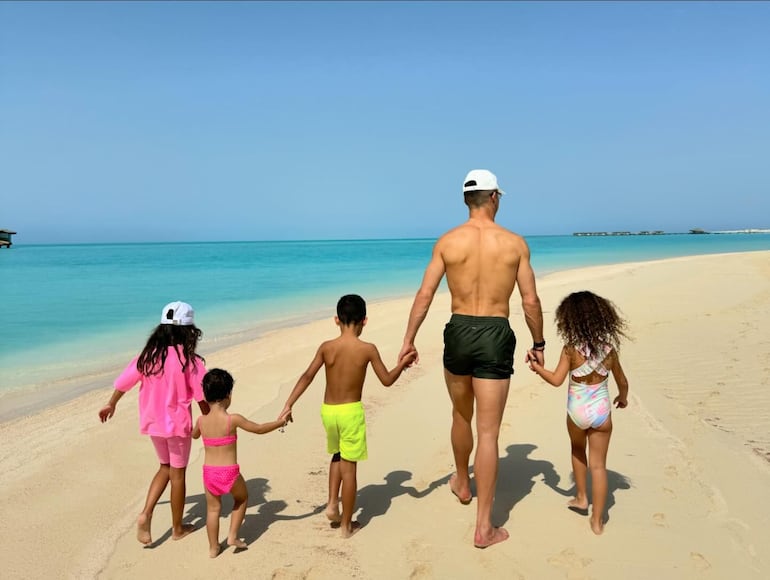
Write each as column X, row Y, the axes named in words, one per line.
column 5, row 238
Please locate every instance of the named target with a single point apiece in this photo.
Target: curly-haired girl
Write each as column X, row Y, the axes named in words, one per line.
column 591, row 329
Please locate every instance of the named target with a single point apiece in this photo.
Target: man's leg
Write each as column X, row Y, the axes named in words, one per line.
column 461, row 393
column 491, row 396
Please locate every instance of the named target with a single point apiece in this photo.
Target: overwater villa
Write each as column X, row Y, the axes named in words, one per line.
column 5, row 238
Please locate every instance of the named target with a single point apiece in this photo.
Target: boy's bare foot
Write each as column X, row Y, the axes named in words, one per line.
column 597, row 526
column 333, row 514
column 186, row 530
column 578, row 506
column 347, row 532
column 237, row 543
column 214, row 552
column 498, row 535
column 461, row 492
column 143, row 529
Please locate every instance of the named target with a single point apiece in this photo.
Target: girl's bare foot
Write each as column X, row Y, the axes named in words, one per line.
column 333, row 513
column 184, row 531
column 347, row 532
column 237, row 543
column 484, row 541
column 214, row 552
column 462, row 492
column 597, row 526
column 579, row 506
column 143, row 529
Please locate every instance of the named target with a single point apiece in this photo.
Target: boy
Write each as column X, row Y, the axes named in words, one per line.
column 346, row 359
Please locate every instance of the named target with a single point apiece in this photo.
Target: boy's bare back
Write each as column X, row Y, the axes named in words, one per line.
column 345, row 360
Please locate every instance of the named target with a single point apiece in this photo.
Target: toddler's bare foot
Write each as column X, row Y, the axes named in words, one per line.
column 185, row 530
column 346, row 532
column 462, row 492
column 237, row 543
column 214, row 552
column 579, row 506
column 485, row 540
column 597, row 526
column 333, row 513
column 143, row 529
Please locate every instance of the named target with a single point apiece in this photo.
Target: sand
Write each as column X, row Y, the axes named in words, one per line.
column 689, row 460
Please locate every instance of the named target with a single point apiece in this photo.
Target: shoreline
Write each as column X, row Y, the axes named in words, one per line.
column 685, row 483
column 29, row 400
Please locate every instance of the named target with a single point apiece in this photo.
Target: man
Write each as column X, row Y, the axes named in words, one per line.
column 483, row 262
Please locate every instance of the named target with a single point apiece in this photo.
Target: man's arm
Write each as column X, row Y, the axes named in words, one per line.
column 430, row 281
column 530, row 302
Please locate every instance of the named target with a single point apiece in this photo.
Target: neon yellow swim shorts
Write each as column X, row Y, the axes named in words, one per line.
column 345, row 430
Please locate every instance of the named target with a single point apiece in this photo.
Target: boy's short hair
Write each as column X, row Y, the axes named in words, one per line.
column 217, row 385
column 351, row 309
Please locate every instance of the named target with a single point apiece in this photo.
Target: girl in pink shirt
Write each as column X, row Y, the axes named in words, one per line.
column 169, row 373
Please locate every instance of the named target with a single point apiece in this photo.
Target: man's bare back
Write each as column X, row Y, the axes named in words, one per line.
column 481, row 260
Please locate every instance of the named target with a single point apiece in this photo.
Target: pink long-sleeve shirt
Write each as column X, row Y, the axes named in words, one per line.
column 165, row 399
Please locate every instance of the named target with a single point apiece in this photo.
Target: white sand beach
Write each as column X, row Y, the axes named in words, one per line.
column 689, row 459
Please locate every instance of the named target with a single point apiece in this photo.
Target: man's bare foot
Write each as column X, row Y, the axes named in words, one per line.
column 214, row 552
column 578, row 506
column 461, row 492
column 498, row 535
column 333, row 513
column 186, row 530
column 597, row 526
column 347, row 532
column 237, row 543
column 143, row 529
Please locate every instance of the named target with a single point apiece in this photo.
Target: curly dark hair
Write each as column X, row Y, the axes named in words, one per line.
column 583, row 318
column 153, row 356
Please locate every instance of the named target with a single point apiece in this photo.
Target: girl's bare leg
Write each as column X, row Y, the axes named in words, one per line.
column 349, row 490
column 335, row 482
column 577, row 439
column 178, row 492
column 240, row 500
column 157, row 487
column 213, row 509
column 598, row 444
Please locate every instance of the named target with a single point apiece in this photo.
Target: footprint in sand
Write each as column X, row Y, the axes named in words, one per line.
column 699, row 561
column 669, row 492
column 420, row 571
column 569, row 560
column 671, row 471
column 660, row 520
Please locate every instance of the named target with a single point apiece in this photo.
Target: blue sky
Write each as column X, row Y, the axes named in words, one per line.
column 256, row 120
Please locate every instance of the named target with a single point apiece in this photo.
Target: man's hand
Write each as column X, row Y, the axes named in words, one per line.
column 409, row 350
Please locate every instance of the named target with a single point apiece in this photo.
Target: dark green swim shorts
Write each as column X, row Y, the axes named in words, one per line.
column 481, row 346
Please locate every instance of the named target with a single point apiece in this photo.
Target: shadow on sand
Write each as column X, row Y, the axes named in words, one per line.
column 517, row 475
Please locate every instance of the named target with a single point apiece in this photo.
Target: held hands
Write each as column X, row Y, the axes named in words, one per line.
column 535, row 359
column 408, row 350
column 106, row 412
column 620, row 402
column 285, row 416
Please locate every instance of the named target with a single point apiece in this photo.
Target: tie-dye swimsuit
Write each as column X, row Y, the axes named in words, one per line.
column 589, row 405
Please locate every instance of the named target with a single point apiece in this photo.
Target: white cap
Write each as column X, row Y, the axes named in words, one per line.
column 179, row 313
column 480, row 180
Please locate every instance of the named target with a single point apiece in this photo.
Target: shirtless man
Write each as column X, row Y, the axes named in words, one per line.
column 483, row 262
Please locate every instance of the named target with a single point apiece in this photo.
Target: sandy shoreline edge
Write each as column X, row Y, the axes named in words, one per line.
column 690, row 455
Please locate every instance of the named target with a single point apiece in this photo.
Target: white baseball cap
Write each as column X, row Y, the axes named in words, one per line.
column 178, row 313
column 480, row 180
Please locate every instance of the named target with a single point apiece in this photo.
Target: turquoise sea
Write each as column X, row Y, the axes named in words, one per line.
column 72, row 314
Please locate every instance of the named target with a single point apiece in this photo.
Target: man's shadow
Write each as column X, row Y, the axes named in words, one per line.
column 375, row 499
column 516, row 478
